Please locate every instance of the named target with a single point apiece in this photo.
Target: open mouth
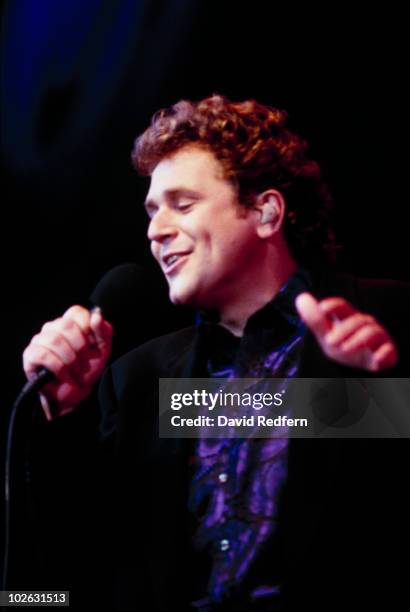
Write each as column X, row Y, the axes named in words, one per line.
column 172, row 262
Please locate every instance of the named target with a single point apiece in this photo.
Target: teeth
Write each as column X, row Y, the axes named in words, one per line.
column 171, row 260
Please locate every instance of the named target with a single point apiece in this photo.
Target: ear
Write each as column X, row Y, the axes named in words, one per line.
column 271, row 206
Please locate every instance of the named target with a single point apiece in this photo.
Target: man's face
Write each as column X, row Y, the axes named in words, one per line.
column 205, row 244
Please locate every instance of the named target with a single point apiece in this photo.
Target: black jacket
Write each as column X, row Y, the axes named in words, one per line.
column 344, row 511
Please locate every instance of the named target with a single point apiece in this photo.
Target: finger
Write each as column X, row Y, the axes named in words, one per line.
column 58, row 398
column 310, row 312
column 57, row 343
column 73, row 371
column 102, row 330
column 344, row 329
column 79, row 341
column 37, row 356
column 46, row 406
column 370, row 336
column 337, row 308
column 76, row 362
column 385, row 357
column 71, row 331
column 81, row 316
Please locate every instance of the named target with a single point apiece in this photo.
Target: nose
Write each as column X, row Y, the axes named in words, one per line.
column 161, row 226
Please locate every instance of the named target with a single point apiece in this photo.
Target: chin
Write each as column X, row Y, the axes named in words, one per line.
column 183, row 297
column 179, row 298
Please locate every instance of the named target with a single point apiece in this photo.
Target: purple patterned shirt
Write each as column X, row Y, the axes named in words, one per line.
column 236, row 483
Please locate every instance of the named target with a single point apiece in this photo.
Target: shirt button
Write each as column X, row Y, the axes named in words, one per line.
column 223, row 477
column 224, row 545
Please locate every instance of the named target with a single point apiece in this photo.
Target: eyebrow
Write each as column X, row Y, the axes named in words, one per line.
column 171, row 195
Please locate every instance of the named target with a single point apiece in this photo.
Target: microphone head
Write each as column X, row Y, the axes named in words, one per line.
column 119, row 290
column 134, row 299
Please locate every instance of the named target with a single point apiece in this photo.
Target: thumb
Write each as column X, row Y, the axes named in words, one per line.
column 309, row 310
column 102, row 329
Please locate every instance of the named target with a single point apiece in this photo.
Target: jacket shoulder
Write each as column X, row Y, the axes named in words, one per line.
column 160, row 357
column 367, row 294
column 132, row 380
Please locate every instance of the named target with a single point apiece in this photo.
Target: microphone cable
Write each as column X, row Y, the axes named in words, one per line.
column 30, row 387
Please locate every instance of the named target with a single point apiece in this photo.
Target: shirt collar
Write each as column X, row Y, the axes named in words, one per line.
column 283, row 303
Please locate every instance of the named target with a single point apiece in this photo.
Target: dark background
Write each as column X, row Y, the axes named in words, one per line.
column 80, row 80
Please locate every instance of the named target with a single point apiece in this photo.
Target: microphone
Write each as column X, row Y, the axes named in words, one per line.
column 115, row 292
column 119, row 290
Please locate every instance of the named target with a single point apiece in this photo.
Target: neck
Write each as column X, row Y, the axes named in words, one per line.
column 262, row 289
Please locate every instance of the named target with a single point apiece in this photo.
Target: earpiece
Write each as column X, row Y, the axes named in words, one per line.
column 269, row 210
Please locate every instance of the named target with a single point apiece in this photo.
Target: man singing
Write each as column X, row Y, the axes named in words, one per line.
column 239, row 224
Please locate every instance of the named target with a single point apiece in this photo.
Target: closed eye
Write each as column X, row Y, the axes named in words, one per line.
column 151, row 209
column 178, row 199
column 185, row 201
column 184, row 204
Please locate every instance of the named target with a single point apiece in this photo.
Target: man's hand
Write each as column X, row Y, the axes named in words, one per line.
column 346, row 335
column 75, row 348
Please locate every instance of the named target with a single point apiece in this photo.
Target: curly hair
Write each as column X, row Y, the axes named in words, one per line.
column 257, row 152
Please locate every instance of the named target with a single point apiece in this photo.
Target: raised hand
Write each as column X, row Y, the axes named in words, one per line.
column 346, row 335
